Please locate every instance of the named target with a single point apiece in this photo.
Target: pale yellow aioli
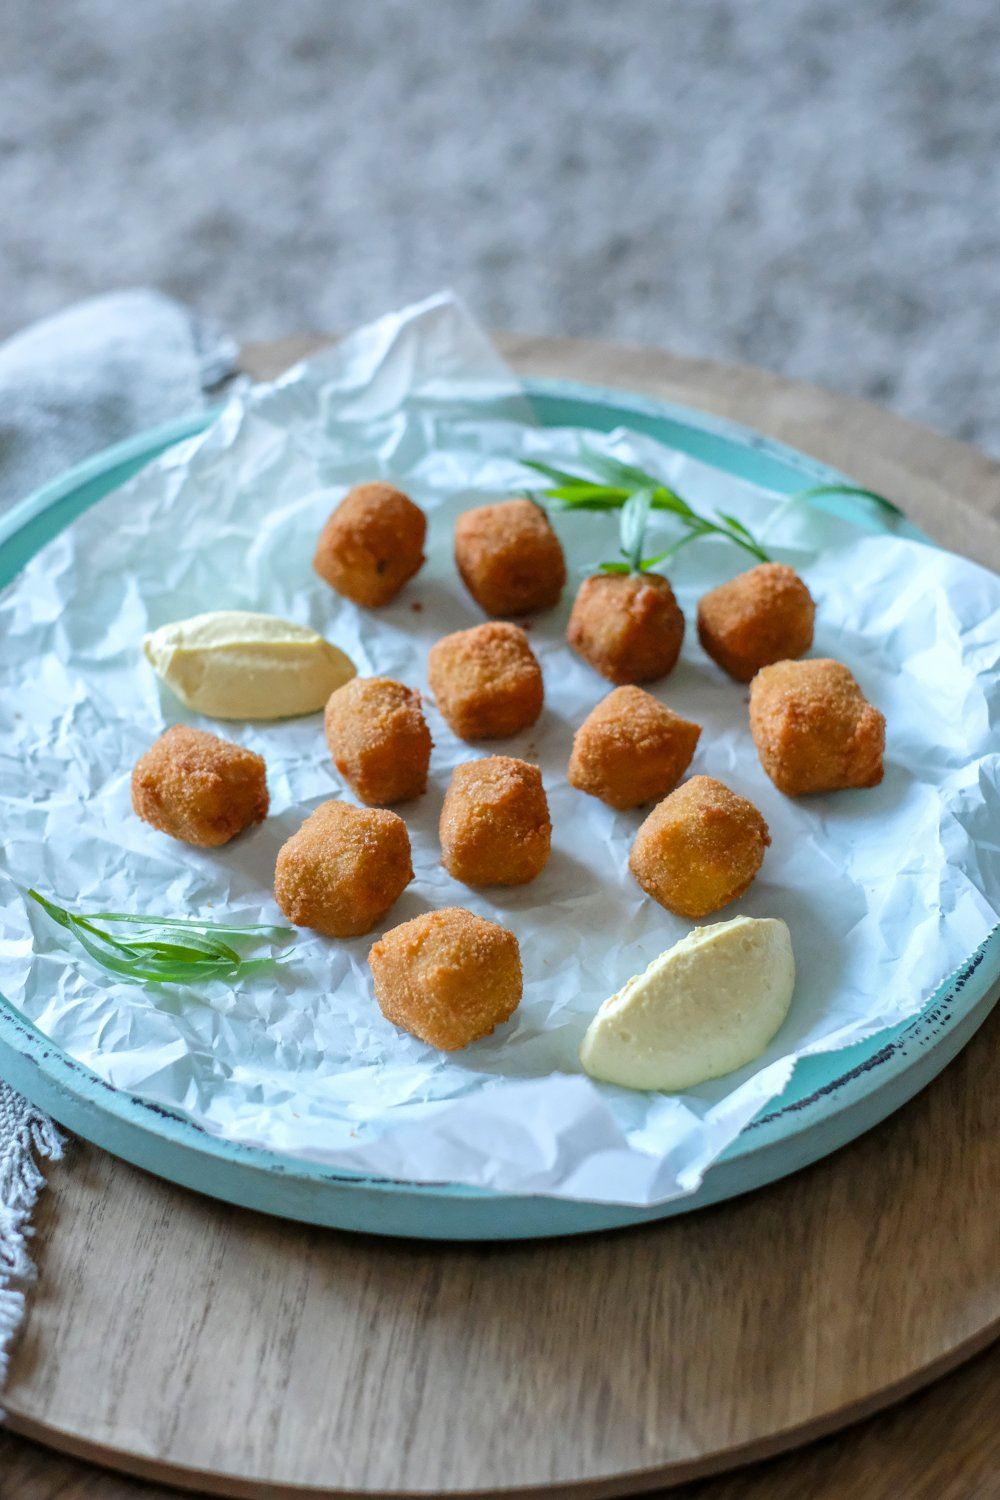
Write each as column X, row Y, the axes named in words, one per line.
column 234, row 664
column 708, row 1005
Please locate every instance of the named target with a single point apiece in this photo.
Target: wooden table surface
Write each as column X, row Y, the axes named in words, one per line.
column 889, row 1197
column 943, row 1444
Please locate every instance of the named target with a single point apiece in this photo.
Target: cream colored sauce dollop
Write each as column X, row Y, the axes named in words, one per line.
column 708, row 1005
column 234, row 664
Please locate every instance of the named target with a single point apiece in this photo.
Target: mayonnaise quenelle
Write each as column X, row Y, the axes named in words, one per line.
column 234, row 664
column 708, row 1005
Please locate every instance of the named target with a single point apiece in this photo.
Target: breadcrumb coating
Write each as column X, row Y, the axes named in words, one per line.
column 631, row 749
column 699, row 848
column 199, row 788
column 495, row 826
column 372, row 544
column 759, row 617
column 343, row 869
column 814, row 729
column 447, row 977
column 486, row 681
column 629, row 627
column 509, row 557
column 379, row 739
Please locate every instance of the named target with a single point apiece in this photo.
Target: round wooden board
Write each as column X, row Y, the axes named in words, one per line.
column 195, row 1343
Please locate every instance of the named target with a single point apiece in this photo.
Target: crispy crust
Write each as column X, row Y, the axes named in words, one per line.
column 486, row 681
column 343, row 869
column 509, row 557
column 631, row 749
column 199, row 788
column 495, row 826
column 447, row 977
column 372, row 544
column 814, row 729
column 629, row 627
column 379, row 739
column 761, row 616
column 700, row 848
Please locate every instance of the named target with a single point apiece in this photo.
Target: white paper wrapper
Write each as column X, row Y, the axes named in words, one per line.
column 885, row 891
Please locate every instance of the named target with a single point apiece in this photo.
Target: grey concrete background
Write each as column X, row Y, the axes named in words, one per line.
column 810, row 185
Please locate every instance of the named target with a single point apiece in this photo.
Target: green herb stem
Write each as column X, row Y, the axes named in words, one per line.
column 619, row 486
column 614, row 485
column 822, row 491
column 157, row 952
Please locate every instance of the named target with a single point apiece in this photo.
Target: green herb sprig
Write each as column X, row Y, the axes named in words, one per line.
column 612, row 485
column 634, row 518
column 167, row 950
column 822, row 492
column 634, row 515
column 617, row 483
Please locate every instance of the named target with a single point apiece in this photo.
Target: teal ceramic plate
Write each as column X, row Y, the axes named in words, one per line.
column 830, row 1099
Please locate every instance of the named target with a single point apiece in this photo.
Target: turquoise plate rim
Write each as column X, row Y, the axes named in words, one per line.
column 822, row 1088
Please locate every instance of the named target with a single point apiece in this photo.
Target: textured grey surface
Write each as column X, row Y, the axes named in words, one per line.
column 810, row 185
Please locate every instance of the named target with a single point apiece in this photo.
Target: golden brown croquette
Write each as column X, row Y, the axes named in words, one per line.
column 372, row 544
column 814, row 729
column 631, row 749
column 379, row 739
column 510, row 559
column 758, row 617
column 495, row 825
column 699, row 848
column 629, row 627
column 486, row 681
column 199, row 788
column 447, row 977
column 343, row 869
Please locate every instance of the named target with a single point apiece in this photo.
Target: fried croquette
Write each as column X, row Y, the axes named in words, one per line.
column 448, row 977
column 699, row 848
column 379, row 739
column 343, row 869
column 486, row 681
column 199, row 788
column 509, row 557
column 814, row 729
column 629, row 627
column 372, row 544
column 631, row 749
column 758, row 617
column 495, row 825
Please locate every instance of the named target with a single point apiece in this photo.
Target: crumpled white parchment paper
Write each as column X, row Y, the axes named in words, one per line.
column 886, row 891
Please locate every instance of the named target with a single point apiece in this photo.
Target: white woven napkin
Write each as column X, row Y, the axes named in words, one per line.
column 25, row 1133
column 70, row 386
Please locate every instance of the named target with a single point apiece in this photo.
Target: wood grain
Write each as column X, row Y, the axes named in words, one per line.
column 942, row 1444
column 185, row 1338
